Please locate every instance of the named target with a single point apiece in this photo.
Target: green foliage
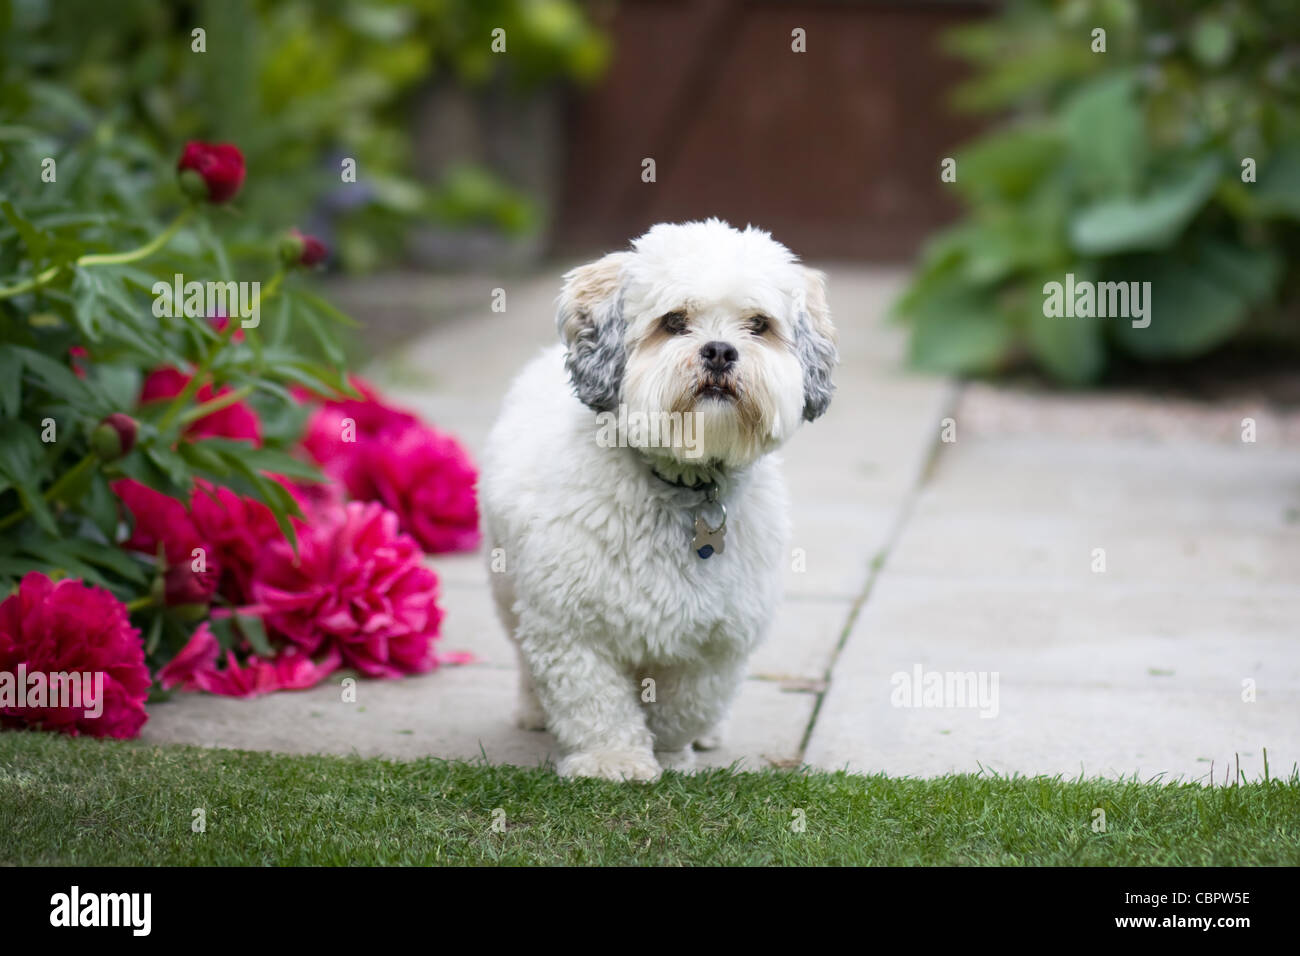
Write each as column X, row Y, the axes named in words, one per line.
column 1125, row 165
column 299, row 85
column 79, row 260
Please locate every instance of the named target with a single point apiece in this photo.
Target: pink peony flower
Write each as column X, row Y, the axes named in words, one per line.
column 63, row 628
column 337, row 447
column 338, row 433
column 428, row 480
column 357, row 585
column 314, row 497
column 371, row 413
column 289, row 670
column 236, row 530
column 198, row 656
column 164, row 521
column 380, row 453
column 236, row 421
column 195, row 668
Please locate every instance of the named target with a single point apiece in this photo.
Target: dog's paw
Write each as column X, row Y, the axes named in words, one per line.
column 631, row 765
column 682, row 760
column 711, row 739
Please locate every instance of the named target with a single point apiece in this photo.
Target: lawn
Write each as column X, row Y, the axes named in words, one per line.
column 87, row 802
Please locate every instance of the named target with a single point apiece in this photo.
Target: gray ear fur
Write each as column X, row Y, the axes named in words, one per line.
column 815, row 344
column 591, row 324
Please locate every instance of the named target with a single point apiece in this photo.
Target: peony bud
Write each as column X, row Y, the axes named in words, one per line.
column 114, row 437
column 211, row 171
column 298, row 249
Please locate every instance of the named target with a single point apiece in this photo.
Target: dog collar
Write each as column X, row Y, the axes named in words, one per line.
column 707, row 540
column 708, row 487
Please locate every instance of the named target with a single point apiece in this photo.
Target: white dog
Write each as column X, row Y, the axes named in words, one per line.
column 632, row 491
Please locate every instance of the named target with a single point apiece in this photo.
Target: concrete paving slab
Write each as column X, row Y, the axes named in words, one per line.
column 461, row 712
column 802, row 644
column 1184, row 652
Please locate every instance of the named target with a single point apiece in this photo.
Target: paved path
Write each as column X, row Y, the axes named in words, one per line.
column 975, row 558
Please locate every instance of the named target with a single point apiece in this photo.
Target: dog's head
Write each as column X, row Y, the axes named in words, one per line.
column 706, row 321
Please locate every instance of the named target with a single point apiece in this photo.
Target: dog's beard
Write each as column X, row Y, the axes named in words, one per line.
column 728, row 420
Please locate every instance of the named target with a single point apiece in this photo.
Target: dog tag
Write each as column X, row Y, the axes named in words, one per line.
column 709, row 541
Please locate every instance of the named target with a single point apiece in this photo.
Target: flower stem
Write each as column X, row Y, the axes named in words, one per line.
column 272, row 286
column 139, row 604
column 103, row 259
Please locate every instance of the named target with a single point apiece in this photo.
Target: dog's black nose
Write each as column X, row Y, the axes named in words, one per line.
column 719, row 356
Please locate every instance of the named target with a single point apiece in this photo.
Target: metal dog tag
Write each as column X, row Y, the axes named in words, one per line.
column 709, row 541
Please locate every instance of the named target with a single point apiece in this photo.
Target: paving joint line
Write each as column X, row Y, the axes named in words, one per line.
column 947, row 405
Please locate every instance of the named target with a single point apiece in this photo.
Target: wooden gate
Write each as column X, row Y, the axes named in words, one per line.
column 835, row 150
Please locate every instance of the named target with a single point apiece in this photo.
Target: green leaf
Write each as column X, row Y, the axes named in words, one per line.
column 35, row 241
column 154, row 633
column 11, row 383
column 22, row 453
column 85, row 294
column 119, row 382
column 108, row 556
column 260, row 460
column 254, row 631
column 1104, row 127
column 173, row 466
column 1192, row 309
column 1008, row 163
column 329, row 347
column 100, row 505
column 1153, row 222
column 1254, row 273
column 329, row 311
column 1212, row 42
column 252, row 463
column 202, row 457
column 319, row 381
column 1278, row 191
column 959, row 330
column 1070, row 349
column 59, row 380
column 30, row 496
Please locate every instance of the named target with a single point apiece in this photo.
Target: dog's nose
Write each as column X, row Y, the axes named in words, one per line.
column 719, row 356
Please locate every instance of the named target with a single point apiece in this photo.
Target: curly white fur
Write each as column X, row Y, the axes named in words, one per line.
column 632, row 646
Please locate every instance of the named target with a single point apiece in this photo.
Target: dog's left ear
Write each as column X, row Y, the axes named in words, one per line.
column 815, row 343
column 591, row 324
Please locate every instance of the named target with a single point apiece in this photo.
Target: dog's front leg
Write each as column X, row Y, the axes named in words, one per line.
column 689, row 704
column 592, row 708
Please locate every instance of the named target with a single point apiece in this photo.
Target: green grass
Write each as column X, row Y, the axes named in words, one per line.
column 88, row 802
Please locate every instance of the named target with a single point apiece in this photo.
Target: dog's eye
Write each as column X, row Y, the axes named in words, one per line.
column 758, row 324
column 674, row 322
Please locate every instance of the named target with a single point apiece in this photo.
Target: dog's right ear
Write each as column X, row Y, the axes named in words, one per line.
column 591, row 324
